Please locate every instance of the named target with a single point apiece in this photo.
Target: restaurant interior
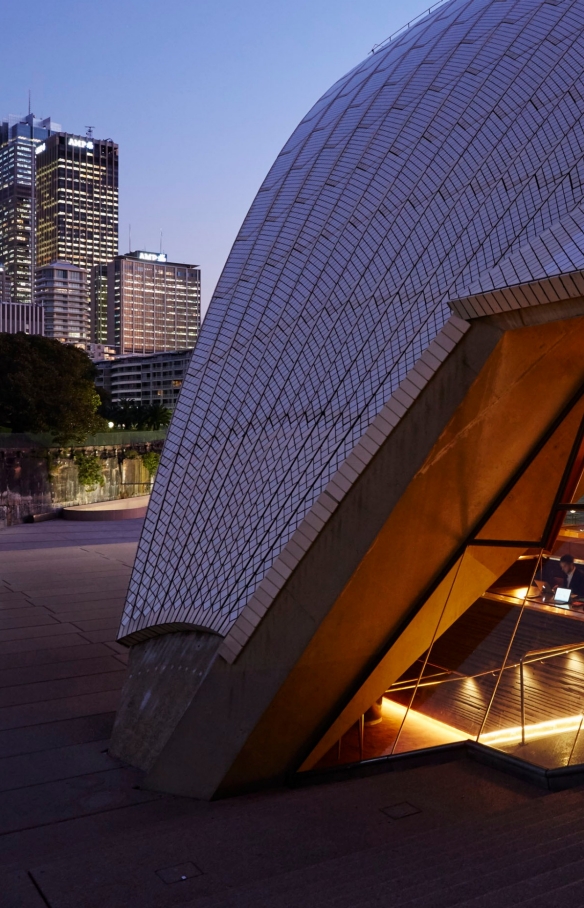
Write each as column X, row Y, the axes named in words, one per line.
column 508, row 672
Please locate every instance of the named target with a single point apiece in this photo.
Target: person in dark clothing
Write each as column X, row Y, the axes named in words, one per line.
column 573, row 578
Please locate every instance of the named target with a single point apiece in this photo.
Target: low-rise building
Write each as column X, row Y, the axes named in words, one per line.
column 145, row 379
column 25, row 317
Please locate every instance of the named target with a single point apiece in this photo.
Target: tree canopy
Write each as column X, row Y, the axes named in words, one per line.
column 133, row 414
column 47, row 386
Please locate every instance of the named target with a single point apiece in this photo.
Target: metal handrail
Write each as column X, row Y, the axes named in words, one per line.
column 535, row 655
column 408, row 25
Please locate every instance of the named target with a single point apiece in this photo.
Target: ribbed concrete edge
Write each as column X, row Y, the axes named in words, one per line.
column 520, row 296
column 551, row 779
column 158, row 630
column 341, row 483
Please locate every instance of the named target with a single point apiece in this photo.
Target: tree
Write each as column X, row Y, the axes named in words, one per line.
column 158, row 416
column 47, row 386
column 151, row 460
column 132, row 414
column 89, row 470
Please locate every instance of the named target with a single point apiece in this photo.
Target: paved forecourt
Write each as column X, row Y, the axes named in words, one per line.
column 76, row 829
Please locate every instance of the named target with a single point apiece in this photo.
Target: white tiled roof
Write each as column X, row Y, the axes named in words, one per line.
column 438, row 157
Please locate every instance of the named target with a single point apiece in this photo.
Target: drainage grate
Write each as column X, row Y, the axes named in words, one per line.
column 398, row 811
column 178, row 873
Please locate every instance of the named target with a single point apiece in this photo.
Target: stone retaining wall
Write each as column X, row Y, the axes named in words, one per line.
column 37, row 481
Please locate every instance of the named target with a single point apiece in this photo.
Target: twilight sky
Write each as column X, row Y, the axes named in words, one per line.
column 200, row 95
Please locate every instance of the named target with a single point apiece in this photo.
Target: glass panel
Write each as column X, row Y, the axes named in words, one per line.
column 536, row 712
column 501, row 656
column 462, row 668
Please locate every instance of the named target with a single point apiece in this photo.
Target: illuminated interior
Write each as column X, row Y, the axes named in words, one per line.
column 508, row 672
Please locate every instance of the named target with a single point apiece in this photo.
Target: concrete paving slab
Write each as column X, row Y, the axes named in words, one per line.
column 101, row 617
column 39, row 738
column 57, row 653
column 23, row 676
column 55, row 765
column 22, row 646
column 55, row 802
column 106, row 635
column 24, row 620
column 37, row 693
column 97, row 702
column 19, row 890
column 42, row 629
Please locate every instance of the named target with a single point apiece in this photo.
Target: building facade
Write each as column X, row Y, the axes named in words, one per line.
column 77, row 206
column 366, row 511
column 4, row 285
column 155, row 379
column 62, row 292
column 154, row 306
column 19, row 138
column 98, row 294
column 25, row 317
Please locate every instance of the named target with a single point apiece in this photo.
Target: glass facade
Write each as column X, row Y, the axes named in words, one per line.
column 154, row 306
column 19, row 138
column 77, row 209
column 507, row 669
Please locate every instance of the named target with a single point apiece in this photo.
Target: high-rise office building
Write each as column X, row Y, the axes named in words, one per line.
column 19, row 136
column 4, row 287
column 98, row 294
column 62, row 292
column 154, row 306
column 77, row 207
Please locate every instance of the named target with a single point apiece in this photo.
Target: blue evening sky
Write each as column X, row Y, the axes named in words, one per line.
column 199, row 95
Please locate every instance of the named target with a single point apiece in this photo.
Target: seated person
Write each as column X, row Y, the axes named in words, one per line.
column 573, row 578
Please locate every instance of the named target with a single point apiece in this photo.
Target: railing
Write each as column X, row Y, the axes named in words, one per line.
column 408, row 25
column 448, row 676
column 539, row 655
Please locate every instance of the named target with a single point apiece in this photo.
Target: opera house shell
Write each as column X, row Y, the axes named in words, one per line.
column 380, row 431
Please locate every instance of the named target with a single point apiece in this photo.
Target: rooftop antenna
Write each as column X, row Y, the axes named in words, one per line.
column 129, row 237
column 161, row 239
column 89, row 133
column 29, row 102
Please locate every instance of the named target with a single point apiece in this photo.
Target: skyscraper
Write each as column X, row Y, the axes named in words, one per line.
column 154, row 306
column 77, row 204
column 18, row 138
column 4, row 287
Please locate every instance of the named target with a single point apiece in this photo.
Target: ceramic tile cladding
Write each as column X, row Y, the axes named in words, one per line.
column 442, row 154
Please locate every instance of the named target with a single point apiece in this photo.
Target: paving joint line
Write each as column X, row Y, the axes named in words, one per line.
column 38, row 889
column 93, row 813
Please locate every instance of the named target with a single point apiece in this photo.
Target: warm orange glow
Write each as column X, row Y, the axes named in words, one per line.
column 422, row 731
column 532, row 732
column 419, row 731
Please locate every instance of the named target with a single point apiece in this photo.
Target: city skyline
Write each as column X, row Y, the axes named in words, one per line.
column 230, row 77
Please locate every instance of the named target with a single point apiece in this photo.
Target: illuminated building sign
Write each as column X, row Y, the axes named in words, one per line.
column 81, row 143
column 39, row 148
column 152, row 256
